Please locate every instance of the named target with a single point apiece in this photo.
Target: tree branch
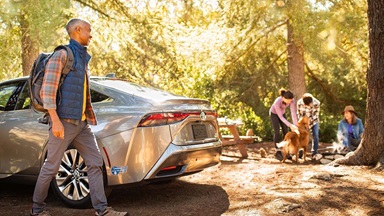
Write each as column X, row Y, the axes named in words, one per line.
column 255, row 80
column 326, row 88
column 93, row 7
column 258, row 39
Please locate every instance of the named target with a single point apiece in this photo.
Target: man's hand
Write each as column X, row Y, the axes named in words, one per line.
column 58, row 129
column 57, row 126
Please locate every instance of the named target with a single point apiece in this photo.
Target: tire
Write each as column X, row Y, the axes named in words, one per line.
column 71, row 181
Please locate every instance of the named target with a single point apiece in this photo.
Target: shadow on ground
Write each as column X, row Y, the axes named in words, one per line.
column 174, row 198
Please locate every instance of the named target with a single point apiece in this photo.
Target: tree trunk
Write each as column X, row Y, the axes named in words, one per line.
column 371, row 149
column 29, row 46
column 296, row 79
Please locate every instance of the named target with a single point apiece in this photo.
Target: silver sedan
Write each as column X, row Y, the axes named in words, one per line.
column 143, row 134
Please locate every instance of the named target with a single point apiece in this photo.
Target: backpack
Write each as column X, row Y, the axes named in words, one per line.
column 36, row 76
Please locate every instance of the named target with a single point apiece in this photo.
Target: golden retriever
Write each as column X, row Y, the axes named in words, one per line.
column 294, row 141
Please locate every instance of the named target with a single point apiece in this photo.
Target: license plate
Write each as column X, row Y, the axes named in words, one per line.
column 199, row 131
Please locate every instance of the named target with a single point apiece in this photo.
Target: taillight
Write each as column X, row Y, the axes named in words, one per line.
column 157, row 119
column 169, row 168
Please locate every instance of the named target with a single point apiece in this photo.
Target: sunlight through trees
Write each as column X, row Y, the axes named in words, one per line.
column 235, row 53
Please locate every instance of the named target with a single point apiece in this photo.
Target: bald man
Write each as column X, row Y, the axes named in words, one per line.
column 70, row 120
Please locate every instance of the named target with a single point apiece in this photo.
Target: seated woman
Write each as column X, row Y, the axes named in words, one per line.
column 350, row 129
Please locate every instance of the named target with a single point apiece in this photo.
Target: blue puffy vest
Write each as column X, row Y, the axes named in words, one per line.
column 70, row 104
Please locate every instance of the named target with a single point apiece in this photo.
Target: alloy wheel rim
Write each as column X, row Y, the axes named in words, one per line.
column 72, row 178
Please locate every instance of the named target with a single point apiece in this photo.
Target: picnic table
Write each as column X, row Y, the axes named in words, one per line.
column 235, row 138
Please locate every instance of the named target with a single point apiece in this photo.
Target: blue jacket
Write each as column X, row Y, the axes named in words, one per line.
column 72, row 91
column 342, row 131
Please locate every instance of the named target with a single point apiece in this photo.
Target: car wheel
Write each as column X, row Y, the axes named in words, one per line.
column 71, row 181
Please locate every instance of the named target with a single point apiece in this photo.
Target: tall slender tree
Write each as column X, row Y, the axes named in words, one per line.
column 29, row 42
column 296, row 12
column 295, row 49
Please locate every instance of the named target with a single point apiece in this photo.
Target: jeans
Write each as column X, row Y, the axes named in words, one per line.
column 353, row 143
column 315, row 139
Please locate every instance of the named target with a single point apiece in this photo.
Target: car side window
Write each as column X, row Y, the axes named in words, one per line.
column 9, row 94
column 99, row 97
column 24, row 99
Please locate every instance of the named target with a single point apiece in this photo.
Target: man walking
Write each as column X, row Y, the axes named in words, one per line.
column 70, row 120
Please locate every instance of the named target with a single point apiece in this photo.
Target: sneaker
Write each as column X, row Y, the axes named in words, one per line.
column 110, row 212
column 345, row 151
column 317, row 157
column 43, row 213
column 279, row 155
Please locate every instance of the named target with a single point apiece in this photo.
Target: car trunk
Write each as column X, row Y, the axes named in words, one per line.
column 198, row 126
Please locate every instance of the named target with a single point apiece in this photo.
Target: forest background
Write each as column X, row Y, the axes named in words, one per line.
column 234, row 53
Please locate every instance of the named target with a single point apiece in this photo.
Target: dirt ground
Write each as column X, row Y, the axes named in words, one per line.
column 252, row 186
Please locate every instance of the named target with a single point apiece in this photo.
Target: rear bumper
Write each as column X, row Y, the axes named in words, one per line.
column 182, row 160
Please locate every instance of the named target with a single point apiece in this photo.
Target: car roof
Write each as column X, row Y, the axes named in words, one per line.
column 15, row 79
column 149, row 93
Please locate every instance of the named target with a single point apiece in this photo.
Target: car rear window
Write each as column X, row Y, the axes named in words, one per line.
column 138, row 90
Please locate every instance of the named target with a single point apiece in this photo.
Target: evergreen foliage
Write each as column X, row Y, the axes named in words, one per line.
column 231, row 52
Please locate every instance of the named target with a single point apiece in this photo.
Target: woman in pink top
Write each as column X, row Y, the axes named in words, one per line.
column 278, row 119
